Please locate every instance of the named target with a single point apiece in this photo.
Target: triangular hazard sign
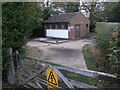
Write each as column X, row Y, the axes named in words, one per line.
column 51, row 78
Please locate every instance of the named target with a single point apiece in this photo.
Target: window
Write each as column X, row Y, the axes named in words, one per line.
column 59, row 26
column 53, row 26
column 48, row 27
column 77, row 26
column 86, row 25
column 65, row 26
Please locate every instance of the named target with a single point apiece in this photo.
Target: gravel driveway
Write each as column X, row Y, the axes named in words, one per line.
column 69, row 53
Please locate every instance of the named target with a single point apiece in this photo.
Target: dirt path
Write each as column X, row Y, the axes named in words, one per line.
column 69, row 53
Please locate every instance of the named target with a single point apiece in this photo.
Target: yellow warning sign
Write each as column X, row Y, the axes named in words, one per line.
column 52, row 81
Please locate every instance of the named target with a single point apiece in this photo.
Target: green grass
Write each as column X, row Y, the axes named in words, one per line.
column 78, row 77
column 88, row 80
column 92, row 60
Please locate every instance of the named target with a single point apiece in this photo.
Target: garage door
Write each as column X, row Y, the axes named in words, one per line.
column 57, row 33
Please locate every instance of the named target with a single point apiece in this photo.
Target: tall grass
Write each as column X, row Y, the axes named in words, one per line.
column 104, row 33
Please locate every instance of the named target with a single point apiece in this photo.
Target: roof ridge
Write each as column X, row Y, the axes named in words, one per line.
column 63, row 17
column 66, row 13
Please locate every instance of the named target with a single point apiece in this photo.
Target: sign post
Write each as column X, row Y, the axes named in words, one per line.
column 52, row 81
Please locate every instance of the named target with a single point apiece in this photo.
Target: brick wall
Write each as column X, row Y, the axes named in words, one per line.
column 80, row 19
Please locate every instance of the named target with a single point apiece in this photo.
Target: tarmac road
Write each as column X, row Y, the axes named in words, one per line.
column 69, row 53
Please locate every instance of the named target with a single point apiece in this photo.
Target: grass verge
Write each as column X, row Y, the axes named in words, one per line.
column 95, row 61
column 92, row 61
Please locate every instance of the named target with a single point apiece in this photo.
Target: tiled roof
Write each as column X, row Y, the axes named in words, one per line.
column 61, row 17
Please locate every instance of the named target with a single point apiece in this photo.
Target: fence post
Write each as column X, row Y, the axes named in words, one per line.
column 17, row 60
column 11, row 73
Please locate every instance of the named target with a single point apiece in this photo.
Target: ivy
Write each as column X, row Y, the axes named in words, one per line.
column 108, row 37
column 114, row 55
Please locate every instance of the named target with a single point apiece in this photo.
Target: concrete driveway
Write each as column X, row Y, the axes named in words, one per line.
column 69, row 53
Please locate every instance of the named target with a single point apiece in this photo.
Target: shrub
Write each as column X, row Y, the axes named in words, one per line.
column 113, row 50
column 108, row 36
column 114, row 54
column 37, row 32
column 104, row 33
column 17, row 23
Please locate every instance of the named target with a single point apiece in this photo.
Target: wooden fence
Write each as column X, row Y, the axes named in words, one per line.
column 32, row 74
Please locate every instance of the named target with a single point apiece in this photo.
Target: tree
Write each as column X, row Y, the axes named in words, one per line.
column 101, row 12
column 66, row 7
column 45, row 10
column 18, row 20
column 71, row 7
column 111, row 11
column 93, row 11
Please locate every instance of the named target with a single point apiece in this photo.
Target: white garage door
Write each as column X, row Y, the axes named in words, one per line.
column 57, row 33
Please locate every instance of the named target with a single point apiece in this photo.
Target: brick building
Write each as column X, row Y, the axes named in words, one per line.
column 69, row 26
